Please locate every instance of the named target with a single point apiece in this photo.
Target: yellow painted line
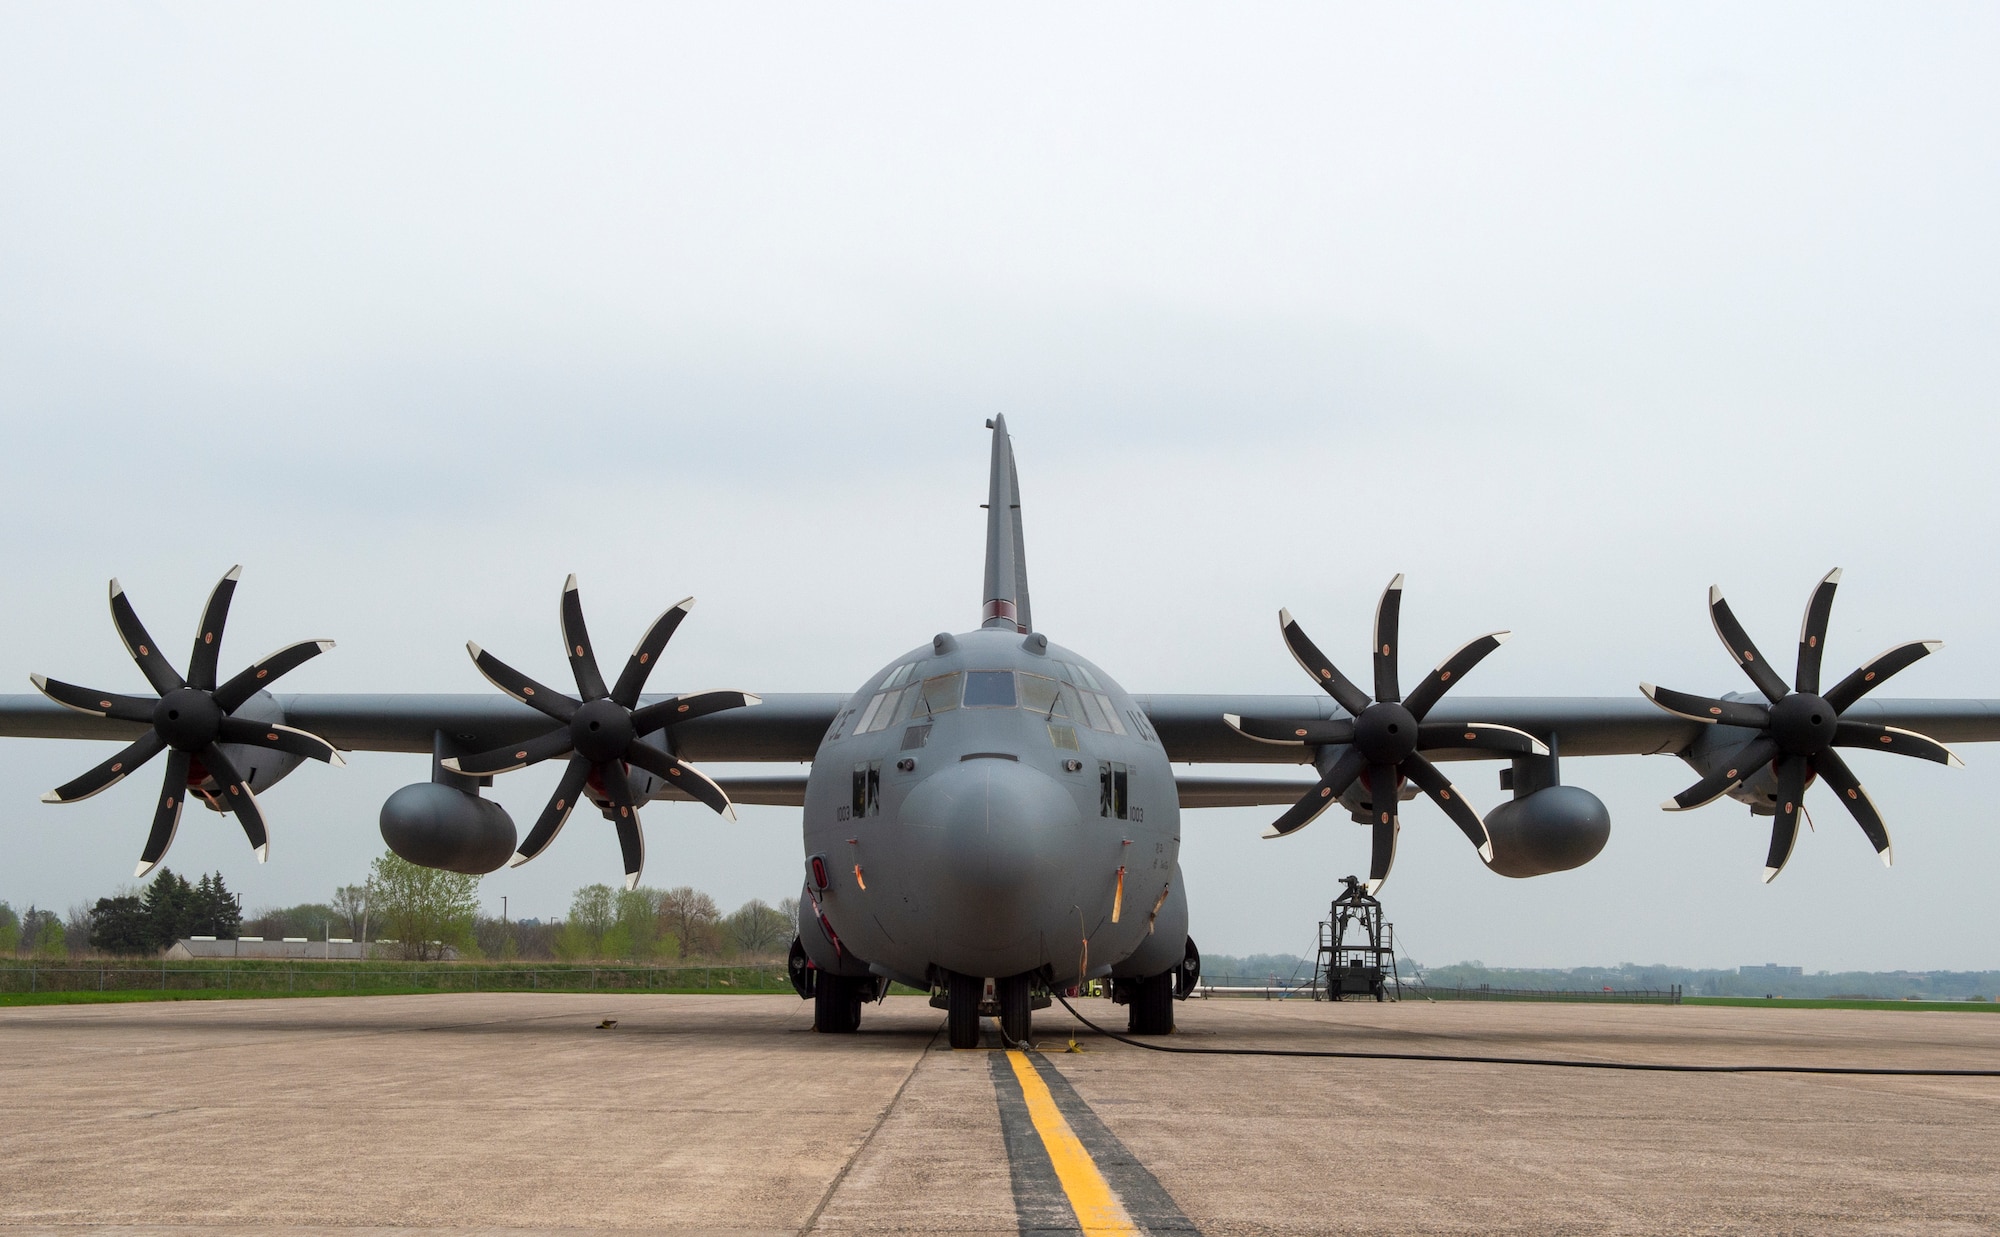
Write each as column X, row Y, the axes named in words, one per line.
column 1097, row 1209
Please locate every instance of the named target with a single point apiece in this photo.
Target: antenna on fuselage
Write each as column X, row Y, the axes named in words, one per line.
column 1006, row 602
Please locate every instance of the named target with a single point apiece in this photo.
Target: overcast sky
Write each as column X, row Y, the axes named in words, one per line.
column 1568, row 312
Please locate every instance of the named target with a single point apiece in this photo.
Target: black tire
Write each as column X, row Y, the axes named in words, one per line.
column 1152, row 1006
column 836, row 1004
column 962, row 993
column 1017, row 1009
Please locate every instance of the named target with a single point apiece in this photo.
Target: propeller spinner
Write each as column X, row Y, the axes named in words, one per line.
column 189, row 721
column 1797, row 733
column 602, row 733
column 1381, row 743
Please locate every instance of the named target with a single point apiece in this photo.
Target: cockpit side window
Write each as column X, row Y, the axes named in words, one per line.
column 989, row 689
column 1041, row 695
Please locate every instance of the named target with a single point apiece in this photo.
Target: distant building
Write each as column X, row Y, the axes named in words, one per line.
column 257, row 947
column 1771, row 970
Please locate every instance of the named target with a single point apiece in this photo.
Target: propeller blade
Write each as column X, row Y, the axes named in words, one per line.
column 208, row 641
column 1703, row 709
column 521, row 687
column 1737, row 641
column 1870, row 675
column 167, row 816
column 632, row 846
column 1894, row 739
column 1486, row 736
column 266, row 671
column 280, row 739
column 1381, row 786
column 236, row 794
column 677, row 709
column 1323, row 672
column 576, row 643
column 1750, row 758
column 513, row 756
column 1432, row 781
column 1302, row 730
column 568, row 790
column 1785, row 825
column 1382, row 852
column 632, row 680
column 1388, row 622
column 97, row 704
column 111, row 772
column 683, row 777
column 1812, row 633
column 1451, row 670
column 1854, row 797
column 1331, row 786
column 155, row 667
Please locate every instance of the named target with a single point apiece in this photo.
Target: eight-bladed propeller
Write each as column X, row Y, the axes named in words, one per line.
column 602, row 733
column 1796, row 735
column 189, row 720
column 1382, row 740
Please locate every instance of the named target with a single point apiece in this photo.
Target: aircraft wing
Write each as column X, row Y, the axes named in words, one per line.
column 1191, row 727
column 785, row 727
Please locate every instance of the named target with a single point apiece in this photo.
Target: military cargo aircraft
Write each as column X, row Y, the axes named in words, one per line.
column 991, row 816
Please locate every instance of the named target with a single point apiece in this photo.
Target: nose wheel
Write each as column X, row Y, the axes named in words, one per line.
column 962, row 996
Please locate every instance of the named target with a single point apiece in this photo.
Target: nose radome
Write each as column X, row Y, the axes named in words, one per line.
column 1001, row 827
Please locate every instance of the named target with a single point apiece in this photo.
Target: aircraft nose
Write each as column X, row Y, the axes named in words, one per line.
column 998, row 827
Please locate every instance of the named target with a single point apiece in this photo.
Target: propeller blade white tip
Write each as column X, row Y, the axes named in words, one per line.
column 1648, row 690
column 473, row 648
column 263, row 852
column 1233, row 721
column 517, row 860
column 684, row 604
column 1372, row 886
column 325, row 646
column 1832, row 577
column 116, row 587
column 1502, row 637
column 569, row 585
column 1770, row 874
column 749, row 699
column 1284, row 617
column 1397, row 582
column 234, row 573
column 1888, row 854
column 1486, row 851
column 450, row 765
column 41, row 682
column 141, row 870
column 1951, row 759
column 1932, row 646
column 337, row 760
column 631, row 881
column 1668, row 805
column 52, row 797
column 1714, row 594
column 1541, row 748
column 1272, row 833
column 730, row 811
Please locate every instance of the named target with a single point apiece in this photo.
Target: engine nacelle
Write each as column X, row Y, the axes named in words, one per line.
column 439, row 826
column 1553, row 829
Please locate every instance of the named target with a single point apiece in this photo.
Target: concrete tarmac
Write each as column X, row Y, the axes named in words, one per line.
column 726, row 1114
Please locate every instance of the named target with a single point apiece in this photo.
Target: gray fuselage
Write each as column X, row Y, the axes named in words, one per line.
column 992, row 805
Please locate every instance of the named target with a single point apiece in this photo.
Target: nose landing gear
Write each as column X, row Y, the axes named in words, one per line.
column 967, row 998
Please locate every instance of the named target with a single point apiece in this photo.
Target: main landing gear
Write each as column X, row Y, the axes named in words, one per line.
column 837, row 999
column 965, row 1001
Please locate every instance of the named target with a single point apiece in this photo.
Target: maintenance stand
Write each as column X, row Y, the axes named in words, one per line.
column 1357, row 949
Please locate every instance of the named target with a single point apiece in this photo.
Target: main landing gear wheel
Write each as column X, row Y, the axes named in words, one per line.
column 837, row 1004
column 962, row 994
column 1151, row 1010
column 1017, row 1008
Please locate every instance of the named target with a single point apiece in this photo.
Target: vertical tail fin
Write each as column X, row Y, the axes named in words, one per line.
column 1006, row 551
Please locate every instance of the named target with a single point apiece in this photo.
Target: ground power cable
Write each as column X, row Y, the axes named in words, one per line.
column 1545, row 1062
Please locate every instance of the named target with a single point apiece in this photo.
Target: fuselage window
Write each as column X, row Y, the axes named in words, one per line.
column 940, row 694
column 900, row 676
column 989, row 689
column 916, row 736
column 1114, row 784
column 867, row 788
column 1063, row 736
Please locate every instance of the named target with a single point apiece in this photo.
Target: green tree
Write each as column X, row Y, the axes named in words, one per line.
column 215, row 911
column 37, row 927
column 170, row 908
column 427, row 910
column 592, row 913
column 49, row 938
column 692, row 919
column 636, row 933
column 352, row 903
column 10, row 931
column 119, row 926
column 757, row 928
